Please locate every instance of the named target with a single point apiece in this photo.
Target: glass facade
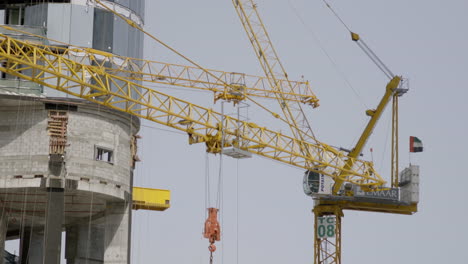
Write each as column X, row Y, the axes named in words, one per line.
column 79, row 24
column 76, row 23
column 103, row 31
column 136, row 6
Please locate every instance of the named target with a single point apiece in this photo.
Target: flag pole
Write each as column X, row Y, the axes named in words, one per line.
column 409, row 157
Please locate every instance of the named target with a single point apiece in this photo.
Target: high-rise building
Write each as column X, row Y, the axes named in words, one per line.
column 66, row 165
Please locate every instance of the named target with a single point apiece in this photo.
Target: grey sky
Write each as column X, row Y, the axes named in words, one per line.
column 425, row 41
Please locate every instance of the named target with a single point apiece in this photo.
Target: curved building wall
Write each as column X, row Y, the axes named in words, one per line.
column 90, row 129
column 25, row 145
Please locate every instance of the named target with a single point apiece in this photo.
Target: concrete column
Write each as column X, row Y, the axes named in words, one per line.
column 53, row 227
column 3, row 231
column 24, row 246
column 85, row 244
column 117, row 241
column 36, row 247
column 31, row 247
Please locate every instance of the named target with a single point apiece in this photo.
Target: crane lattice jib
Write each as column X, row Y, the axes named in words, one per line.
column 189, row 76
column 203, row 125
column 212, row 80
column 225, row 85
column 269, row 60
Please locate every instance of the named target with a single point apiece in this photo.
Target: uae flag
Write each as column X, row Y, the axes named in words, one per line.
column 415, row 144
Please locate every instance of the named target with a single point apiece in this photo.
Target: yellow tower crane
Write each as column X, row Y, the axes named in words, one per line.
column 331, row 202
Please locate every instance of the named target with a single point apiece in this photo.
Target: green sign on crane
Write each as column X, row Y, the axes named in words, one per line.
column 326, row 226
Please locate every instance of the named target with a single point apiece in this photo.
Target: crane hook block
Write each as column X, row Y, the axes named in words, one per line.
column 212, row 228
column 212, row 248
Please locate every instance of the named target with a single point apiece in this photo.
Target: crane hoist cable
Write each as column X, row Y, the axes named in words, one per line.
column 212, row 229
column 398, row 88
column 327, row 54
column 362, row 44
column 207, row 182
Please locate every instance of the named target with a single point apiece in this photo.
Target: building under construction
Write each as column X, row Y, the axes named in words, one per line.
column 66, row 164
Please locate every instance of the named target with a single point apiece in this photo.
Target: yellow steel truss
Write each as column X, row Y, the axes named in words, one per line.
column 223, row 84
column 230, row 86
column 273, row 68
column 50, row 68
column 327, row 250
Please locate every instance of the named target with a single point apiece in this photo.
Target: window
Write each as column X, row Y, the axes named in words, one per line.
column 103, row 30
column 104, row 154
column 14, row 15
